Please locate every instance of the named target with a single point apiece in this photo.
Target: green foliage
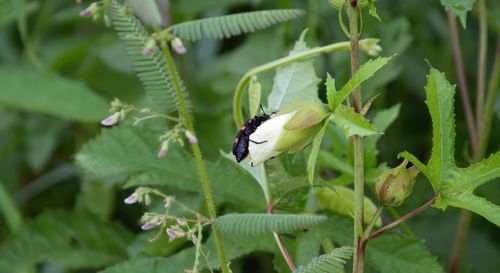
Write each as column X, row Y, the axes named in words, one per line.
column 8, row 210
column 353, row 123
column 313, row 155
column 151, row 68
column 459, row 8
column 71, row 240
column 330, row 262
column 109, row 156
column 366, row 71
column 331, row 91
column 26, row 89
column 230, row 25
column 152, row 12
column 390, row 252
column 258, row 224
column 453, row 185
column 254, row 96
column 294, row 82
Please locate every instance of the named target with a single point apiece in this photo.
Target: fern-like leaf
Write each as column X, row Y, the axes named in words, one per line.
column 327, row 263
column 234, row 24
column 151, row 69
column 254, row 224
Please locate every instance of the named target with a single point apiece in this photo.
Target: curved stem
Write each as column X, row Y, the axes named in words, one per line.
column 281, row 245
column 186, row 118
column 464, row 93
column 240, row 88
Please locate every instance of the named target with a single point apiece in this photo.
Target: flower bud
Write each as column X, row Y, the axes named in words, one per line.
column 90, row 10
column 291, row 130
column 163, row 149
column 131, row 199
column 148, row 226
column 111, row 120
column 370, row 46
column 178, row 46
column 149, row 47
column 191, row 137
column 396, row 184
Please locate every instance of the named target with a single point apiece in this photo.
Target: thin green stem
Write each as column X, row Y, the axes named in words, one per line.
column 481, row 66
column 8, row 209
column 188, row 123
column 240, row 88
column 281, row 245
column 375, row 216
column 359, row 180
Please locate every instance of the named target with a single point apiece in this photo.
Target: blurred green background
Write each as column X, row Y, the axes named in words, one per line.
column 58, row 72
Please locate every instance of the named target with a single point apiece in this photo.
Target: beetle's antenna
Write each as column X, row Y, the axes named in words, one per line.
column 262, row 108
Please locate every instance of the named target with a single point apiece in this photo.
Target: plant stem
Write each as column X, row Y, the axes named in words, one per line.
column 358, row 263
column 459, row 242
column 402, row 219
column 464, row 93
column 375, row 216
column 481, row 66
column 281, row 245
column 186, row 118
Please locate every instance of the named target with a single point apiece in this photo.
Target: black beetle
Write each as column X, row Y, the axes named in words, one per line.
column 242, row 139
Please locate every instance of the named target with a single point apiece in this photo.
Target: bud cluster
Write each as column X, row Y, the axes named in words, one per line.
column 174, row 136
column 96, row 11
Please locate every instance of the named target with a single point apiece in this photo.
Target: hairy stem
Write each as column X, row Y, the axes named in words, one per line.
column 481, row 66
column 464, row 93
column 281, row 245
column 359, row 194
column 402, row 219
column 186, row 118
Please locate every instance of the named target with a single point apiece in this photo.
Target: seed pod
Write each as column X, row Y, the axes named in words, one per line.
column 396, row 184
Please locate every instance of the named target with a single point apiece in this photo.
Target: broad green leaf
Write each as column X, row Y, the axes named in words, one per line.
column 287, row 189
column 333, row 161
column 311, row 161
column 365, row 72
column 70, row 240
column 331, row 91
column 459, row 8
column 476, row 204
column 294, row 82
column 390, row 252
column 353, row 123
column 330, row 262
column 254, row 97
column 30, row 90
column 341, row 200
column 109, row 156
column 8, row 209
column 253, row 224
column 440, row 100
column 475, row 175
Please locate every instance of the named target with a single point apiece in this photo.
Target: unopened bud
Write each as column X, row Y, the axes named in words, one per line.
column 178, row 46
column 90, row 10
column 131, row 199
column 163, row 149
column 149, row 47
column 191, row 137
column 396, row 184
column 111, row 120
column 370, row 46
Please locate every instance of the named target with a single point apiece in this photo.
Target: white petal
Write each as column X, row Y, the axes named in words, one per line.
column 268, row 133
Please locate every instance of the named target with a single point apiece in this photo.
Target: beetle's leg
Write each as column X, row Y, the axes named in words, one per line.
column 256, row 142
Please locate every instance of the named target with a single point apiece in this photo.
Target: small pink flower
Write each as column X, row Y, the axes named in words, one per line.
column 149, row 47
column 191, row 137
column 111, row 120
column 148, row 226
column 86, row 12
column 131, row 199
column 172, row 234
column 163, row 149
column 178, row 46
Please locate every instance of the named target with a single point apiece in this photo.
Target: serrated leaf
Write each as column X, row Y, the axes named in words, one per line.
column 353, row 123
column 330, row 262
column 26, row 89
column 227, row 26
column 341, row 200
column 469, row 201
column 366, row 71
column 295, row 82
column 254, row 97
column 252, row 224
column 69, row 240
column 390, row 252
column 331, row 91
column 313, row 155
column 440, row 100
column 459, row 8
column 152, row 12
column 373, row 9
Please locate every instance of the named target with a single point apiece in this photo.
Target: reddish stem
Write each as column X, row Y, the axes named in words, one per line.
column 464, row 93
column 280, row 243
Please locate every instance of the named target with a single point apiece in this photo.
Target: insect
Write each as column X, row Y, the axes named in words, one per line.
column 242, row 139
